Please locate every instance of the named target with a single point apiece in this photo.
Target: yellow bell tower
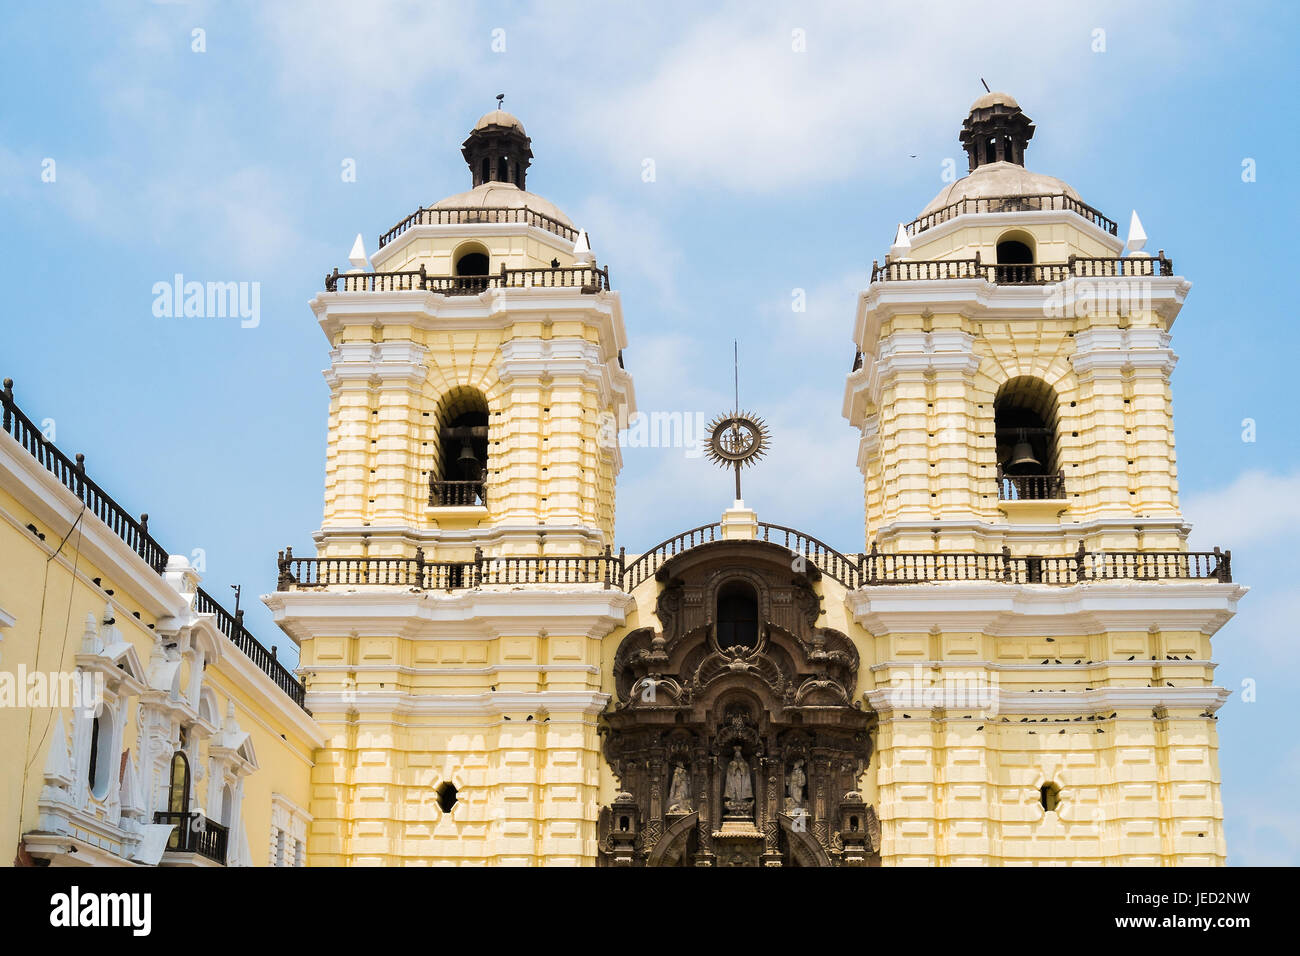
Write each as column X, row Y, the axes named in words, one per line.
column 1040, row 631
column 476, row 377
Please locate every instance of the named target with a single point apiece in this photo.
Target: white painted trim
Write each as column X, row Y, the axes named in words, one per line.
column 1071, row 703
column 1025, row 217
column 1036, row 610
column 488, row 704
column 470, row 230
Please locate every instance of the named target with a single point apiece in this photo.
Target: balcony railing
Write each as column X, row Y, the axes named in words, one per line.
column 1030, row 487
column 586, row 279
column 457, row 494
column 485, row 214
column 988, row 204
column 134, row 533
column 1039, row 273
column 195, row 833
column 232, row 625
column 853, row 571
column 72, row 475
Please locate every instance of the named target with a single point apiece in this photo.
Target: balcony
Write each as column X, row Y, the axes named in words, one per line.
column 1045, row 273
column 991, row 204
column 457, row 494
column 488, row 214
column 1030, row 487
column 585, row 279
column 194, row 835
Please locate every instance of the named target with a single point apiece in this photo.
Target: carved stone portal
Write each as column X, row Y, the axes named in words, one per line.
column 734, row 734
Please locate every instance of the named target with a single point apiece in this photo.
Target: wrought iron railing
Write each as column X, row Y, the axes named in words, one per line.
column 853, row 571
column 587, row 279
column 427, row 216
column 1030, row 487
column 135, row 533
column 987, row 204
column 232, row 625
column 195, row 833
column 457, row 494
column 72, row 475
column 1038, row 273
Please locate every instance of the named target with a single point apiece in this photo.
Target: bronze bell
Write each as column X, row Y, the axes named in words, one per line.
column 468, row 463
column 1022, row 460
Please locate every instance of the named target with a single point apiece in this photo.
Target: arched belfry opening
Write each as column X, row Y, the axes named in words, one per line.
column 1026, row 413
column 458, row 478
column 1015, row 249
column 737, row 733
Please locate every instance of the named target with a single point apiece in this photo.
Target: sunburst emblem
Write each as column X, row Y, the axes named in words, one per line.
column 738, row 439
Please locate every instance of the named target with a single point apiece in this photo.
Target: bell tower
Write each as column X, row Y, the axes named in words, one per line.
column 450, row 623
column 475, row 372
column 1039, row 630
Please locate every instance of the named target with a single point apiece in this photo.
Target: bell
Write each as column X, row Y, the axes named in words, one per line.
column 1022, row 460
column 468, row 463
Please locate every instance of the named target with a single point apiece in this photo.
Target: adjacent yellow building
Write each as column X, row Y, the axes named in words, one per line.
column 1015, row 670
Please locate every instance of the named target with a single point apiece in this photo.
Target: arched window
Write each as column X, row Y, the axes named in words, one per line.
column 100, row 770
column 1049, row 795
column 485, row 171
column 1025, row 414
column 227, row 806
column 737, row 615
column 178, row 789
column 1015, row 249
column 458, row 479
column 472, row 260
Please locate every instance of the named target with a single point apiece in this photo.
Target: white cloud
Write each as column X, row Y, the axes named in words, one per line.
column 1258, row 507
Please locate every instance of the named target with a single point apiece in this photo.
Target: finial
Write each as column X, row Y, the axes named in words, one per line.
column 986, row 86
column 500, row 99
column 902, row 243
column 358, row 256
column 1137, row 237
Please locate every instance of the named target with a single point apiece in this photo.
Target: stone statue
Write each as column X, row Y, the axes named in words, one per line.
column 679, row 791
column 739, row 793
column 794, row 788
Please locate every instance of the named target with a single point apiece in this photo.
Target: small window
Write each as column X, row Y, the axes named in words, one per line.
column 446, row 792
column 472, row 264
column 178, row 793
column 737, row 616
column 1013, row 252
column 1050, row 796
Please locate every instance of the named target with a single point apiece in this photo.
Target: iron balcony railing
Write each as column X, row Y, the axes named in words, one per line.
column 586, row 279
column 232, row 625
column 1039, row 273
column 195, row 833
column 493, row 215
column 1046, row 202
column 612, row 570
column 457, row 494
column 1030, row 487
column 135, row 533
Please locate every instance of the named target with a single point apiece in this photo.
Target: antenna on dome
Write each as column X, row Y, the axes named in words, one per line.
column 500, row 98
column 986, row 87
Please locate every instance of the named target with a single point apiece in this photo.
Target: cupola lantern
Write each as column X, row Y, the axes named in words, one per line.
column 996, row 131
column 498, row 150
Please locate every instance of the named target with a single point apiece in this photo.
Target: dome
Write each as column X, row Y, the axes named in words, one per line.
column 1000, row 179
column 995, row 99
column 499, row 118
column 498, row 195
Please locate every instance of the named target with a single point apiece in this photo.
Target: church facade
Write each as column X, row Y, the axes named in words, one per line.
column 1016, row 668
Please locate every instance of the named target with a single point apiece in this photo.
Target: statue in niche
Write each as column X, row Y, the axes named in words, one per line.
column 795, row 786
column 679, row 791
column 738, row 796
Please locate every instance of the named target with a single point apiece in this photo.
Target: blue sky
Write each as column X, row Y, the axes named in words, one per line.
column 775, row 170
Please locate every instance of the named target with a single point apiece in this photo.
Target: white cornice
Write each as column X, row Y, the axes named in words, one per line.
column 54, row 506
column 994, row 534
column 982, row 300
column 1036, row 610
column 368, row 364
column 494, row 308
column 1122, row 350
column 479, row 614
